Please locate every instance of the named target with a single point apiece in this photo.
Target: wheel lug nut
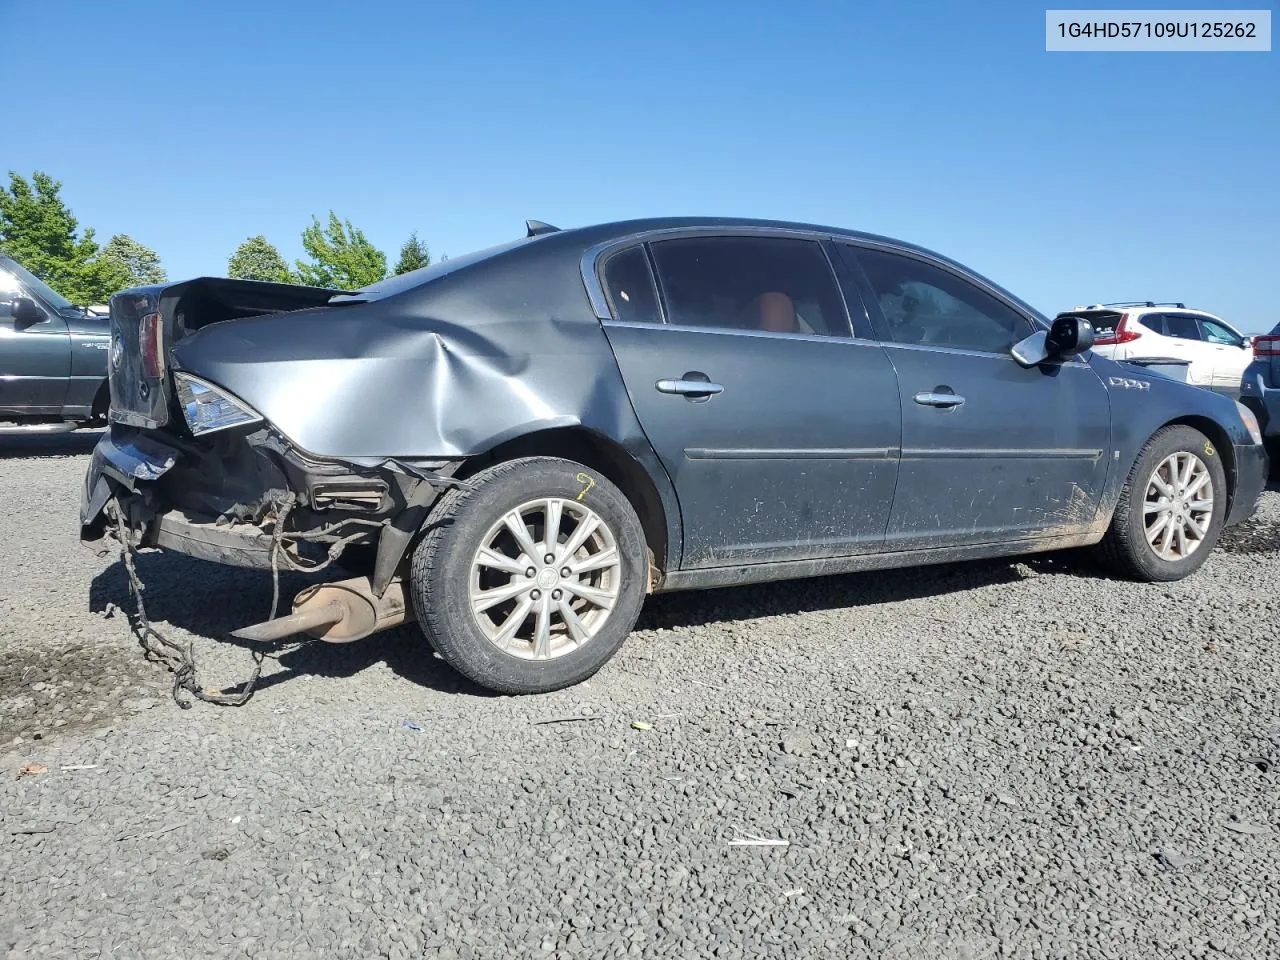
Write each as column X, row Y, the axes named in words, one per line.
column 556, row 594
column 566, row 572
column 530, row 572
column 536, row 594
column 549, row 558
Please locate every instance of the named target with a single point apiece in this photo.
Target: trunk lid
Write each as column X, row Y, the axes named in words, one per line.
column 147, row 321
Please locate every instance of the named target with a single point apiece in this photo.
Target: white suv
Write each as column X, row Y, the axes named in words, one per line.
column 1217, row 353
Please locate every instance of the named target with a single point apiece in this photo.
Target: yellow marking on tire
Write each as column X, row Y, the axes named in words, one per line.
column 1208, row 449
column 587, row 481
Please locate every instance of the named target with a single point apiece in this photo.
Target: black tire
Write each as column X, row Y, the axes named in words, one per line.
column 1125, row 547
column 440, row 576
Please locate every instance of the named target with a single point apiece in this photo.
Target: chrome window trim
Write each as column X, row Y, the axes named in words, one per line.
column 742, row 332
column 1076, row 361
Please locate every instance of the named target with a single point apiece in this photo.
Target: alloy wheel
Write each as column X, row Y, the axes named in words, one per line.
column 1178, row 506
column 545, row 578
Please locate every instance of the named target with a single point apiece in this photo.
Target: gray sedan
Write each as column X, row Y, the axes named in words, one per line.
column 515, row 447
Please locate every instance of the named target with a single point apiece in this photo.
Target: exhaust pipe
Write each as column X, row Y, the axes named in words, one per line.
column 338, row 612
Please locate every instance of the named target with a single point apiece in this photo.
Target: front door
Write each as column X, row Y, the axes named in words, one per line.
column 779, row 430
column 1231, row 354
column 35, row 363
column 991, row 451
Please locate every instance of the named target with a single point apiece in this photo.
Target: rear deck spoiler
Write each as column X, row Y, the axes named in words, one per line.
column 206, row 300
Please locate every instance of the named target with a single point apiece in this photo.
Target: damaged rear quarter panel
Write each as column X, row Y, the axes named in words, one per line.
column 447, row 370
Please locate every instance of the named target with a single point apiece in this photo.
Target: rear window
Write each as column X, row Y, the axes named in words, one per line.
column 1104, row 321
column 416, row 278
column 769, row 284
column 628, row 283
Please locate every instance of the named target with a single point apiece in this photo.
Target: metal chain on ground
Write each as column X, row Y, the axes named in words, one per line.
column 180, row 660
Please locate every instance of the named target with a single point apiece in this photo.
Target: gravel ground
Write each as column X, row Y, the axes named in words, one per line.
column 1004, row 759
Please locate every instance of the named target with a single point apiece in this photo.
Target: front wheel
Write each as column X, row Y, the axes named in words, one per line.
column 531, row 580
column 1171, row 509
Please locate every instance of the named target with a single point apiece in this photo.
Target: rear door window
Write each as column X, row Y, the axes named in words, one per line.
column 1153, row 322
column 763, row 284
column 1181, row 326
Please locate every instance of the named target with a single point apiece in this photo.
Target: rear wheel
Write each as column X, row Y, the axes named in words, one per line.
column 532, row 580
column 1171, row 509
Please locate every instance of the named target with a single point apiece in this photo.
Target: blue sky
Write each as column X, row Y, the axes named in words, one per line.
column 1068, row 178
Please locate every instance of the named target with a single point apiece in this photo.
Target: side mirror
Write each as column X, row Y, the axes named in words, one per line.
column 26, row 313
column 1068, row 336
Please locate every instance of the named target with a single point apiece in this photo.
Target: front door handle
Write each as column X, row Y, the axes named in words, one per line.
column 694, row 389
column 944, row 400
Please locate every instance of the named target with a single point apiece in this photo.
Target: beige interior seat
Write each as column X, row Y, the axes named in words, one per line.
column 777, row 312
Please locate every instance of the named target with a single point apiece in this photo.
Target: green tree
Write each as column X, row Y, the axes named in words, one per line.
column 258, row 259
column 132, row 263
column 341, row 256
column 413, row 256
column 38, row 230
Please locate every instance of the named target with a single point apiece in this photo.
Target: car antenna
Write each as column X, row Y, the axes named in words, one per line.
column 537, row 228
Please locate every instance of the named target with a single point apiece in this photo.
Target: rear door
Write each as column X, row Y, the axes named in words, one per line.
column 991, row 451
column 1185, row 340
column 778, row 427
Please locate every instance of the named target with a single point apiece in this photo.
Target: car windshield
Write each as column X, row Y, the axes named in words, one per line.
column 13, row 275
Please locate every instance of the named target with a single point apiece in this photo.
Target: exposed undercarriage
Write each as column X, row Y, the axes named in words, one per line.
column 241, row 499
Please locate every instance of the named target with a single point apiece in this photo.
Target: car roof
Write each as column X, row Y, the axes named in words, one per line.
column 577, row 241
column 1143, row 308
column 619, row 229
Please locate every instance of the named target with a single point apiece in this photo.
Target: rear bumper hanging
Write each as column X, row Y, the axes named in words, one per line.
column 220, row 502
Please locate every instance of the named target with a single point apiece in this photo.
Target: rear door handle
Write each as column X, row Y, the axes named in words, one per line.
column 694, row 389
column 938, row 399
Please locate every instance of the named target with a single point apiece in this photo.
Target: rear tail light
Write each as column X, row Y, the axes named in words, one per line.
column 209, row 408
column 1250, row 421
column 151, row 345
column 1268, row 346
column 1123, row 333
